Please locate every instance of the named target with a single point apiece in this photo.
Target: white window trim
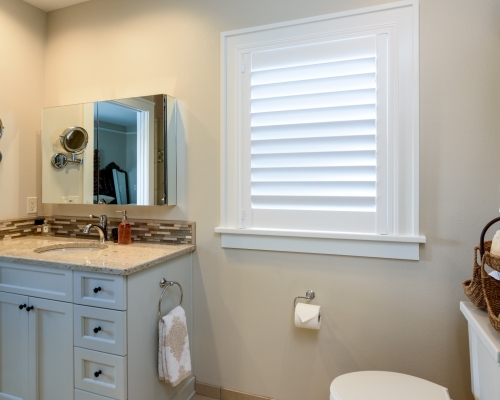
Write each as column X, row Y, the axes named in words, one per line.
column 399, row 243
column 346, row 244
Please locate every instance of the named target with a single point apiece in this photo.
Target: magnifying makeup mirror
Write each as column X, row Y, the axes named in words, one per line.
column 74, row 140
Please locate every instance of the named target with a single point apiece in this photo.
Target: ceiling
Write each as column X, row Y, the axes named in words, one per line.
column 50, row 5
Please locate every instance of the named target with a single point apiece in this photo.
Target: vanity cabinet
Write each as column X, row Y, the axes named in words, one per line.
column 36, row 360
column 36, row 352
column 90, row 335
column 14, row 346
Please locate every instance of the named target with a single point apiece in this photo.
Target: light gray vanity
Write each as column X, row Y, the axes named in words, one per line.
column 79, row 319
column 83, row 325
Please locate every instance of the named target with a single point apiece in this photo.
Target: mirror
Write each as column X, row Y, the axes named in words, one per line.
column 120, row 152
column 74, row 140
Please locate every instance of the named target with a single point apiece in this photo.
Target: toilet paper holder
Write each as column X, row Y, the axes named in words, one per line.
column 309, row 296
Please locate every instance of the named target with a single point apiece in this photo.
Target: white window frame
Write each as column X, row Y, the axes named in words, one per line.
column 399, row 21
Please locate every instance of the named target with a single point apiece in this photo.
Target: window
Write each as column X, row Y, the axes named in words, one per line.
column 320, row 135
column 314, row 141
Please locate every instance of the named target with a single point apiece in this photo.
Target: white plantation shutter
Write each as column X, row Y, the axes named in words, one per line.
column 315, row 137
column 320, row 134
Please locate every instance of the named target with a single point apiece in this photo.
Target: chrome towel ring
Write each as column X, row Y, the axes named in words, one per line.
column 166, row 284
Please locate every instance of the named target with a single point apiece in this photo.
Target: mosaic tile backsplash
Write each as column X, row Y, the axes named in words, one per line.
column 11, row 229
column 143, row 230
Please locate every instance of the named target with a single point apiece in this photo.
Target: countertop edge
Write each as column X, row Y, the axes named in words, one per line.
column 98, row 269
column 159, row 260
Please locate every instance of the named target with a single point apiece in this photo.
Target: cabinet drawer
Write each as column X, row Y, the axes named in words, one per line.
column 111, row 382
column 100, row 329
column 43, row 282
column 81, row 395
column 100, row 290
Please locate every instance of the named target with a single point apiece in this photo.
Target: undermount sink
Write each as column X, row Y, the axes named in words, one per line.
column 71, row 248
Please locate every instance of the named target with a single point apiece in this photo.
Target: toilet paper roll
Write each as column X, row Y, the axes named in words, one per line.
column 308, row 316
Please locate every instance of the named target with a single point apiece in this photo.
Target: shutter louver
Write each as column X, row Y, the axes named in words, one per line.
column 313, row 128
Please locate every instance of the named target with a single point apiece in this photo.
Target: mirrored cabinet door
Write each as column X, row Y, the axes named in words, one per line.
column 121, row 151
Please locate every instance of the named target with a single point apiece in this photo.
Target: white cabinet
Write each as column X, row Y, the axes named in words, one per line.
column 143, row 293
column 13, row 347
column 100, row 290
column 100, row 329
column 89, row 336
column 101, row 373
column 36, row 360
column 46, row 283
column 50, row 350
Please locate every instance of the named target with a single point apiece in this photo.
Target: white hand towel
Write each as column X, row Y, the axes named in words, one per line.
column 174, row 357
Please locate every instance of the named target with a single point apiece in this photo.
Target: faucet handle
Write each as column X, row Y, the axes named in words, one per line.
column 103, row 219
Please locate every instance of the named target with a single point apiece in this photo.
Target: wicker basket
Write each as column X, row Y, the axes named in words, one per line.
column 482, row 282
column 473, row 288
column 491, row 260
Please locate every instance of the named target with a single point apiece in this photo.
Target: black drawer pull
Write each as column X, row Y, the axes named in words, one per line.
column 97, row 289
column 22, row 306
column 96, row 374
column 29, row 308
column 97, row 329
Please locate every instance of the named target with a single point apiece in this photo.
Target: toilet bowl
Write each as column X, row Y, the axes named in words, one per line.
column 380, row 385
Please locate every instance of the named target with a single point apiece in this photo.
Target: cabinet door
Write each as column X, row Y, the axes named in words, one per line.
column 50, row 350
column 13, row 347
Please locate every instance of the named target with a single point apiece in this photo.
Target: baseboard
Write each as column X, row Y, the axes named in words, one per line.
column 220, row 393
column 186, row 392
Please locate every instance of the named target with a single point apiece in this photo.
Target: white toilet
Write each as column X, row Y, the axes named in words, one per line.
column 484, row 344
column 380, row 385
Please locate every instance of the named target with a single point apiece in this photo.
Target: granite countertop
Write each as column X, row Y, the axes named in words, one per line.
column 114, row 259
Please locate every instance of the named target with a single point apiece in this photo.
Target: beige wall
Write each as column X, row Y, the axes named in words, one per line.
column 22, row 41
column 378, row 314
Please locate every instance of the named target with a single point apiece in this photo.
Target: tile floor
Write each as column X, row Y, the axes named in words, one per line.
column 198, row 397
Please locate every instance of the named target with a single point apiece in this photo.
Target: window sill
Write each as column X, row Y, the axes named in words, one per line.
column 334, row 243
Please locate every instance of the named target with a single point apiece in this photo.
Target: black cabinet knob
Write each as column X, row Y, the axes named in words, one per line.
column 96, row 374
column 97, row 329
column 97, row 289
column 22, row 306
column 29, row 308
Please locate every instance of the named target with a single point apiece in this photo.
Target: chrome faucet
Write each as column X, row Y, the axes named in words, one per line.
column 102, row 228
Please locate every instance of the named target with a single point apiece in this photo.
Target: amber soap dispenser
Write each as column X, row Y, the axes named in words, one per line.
column 124, row 230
